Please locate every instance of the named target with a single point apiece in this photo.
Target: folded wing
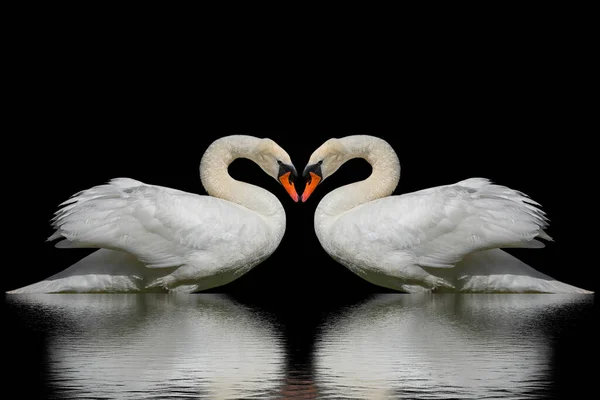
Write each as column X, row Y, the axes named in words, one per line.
column 439, row 226
column 162, row 227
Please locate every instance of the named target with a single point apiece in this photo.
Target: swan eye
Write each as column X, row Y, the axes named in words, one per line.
column 320, row 162
column 279, row 162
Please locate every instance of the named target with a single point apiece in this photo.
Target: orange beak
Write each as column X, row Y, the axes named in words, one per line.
column 310, row 186
column 289, row 186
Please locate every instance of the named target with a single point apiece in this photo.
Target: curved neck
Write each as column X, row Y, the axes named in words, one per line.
column 216, row 180
column 381, row 183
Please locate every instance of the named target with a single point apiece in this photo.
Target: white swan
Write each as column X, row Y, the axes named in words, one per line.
column 445, row 238
column 154, row 238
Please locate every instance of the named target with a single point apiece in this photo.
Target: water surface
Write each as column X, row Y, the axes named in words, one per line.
column 387, row 346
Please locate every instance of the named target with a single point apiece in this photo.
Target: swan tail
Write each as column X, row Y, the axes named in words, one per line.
column 545, row 236
column 496, row 271
column 56, row 235
column 103, row 271
column 71, row 244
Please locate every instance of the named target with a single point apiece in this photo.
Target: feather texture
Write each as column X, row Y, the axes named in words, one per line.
column 441, row 238
column 162, row 227
column 157, row 238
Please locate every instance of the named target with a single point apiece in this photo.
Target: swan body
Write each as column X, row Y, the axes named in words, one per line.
column 445, row 238
column 154, row 238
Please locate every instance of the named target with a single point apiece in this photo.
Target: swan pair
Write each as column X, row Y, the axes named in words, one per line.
column 445, row 238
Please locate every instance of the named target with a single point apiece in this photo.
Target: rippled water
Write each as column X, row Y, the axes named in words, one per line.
column 215, row 347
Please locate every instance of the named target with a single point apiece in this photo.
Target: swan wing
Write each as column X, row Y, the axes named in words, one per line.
column 162, row 227
column 439, row 226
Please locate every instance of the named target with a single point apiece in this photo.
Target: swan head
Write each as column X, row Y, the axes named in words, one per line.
column 323, row 162
column 276, row 162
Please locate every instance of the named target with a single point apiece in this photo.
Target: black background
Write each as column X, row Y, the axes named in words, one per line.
column 126, row 96
column 86, row 118
column 163, row 148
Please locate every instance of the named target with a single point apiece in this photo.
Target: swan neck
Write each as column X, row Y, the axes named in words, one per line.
column 382, row 181
column 217, row 182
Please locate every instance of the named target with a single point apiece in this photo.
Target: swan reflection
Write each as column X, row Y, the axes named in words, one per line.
column 156, row 345
column 440, row 346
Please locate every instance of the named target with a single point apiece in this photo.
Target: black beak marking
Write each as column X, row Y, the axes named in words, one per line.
column 315, row 169
column 284, row 169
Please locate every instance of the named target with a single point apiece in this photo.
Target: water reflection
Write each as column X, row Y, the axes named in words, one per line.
column 146, row 346
column 156, row 346
column 440, row 346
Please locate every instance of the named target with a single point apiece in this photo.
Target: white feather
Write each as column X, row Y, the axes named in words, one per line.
column 162, row 227
column 417, row 241
column 154, row 237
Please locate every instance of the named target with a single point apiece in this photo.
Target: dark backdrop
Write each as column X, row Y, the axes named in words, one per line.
column 91, row 103
column 87, row 101
column 90, row 137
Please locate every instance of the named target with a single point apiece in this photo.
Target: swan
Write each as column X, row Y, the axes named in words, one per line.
column 446, row 238
column 155, row 238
